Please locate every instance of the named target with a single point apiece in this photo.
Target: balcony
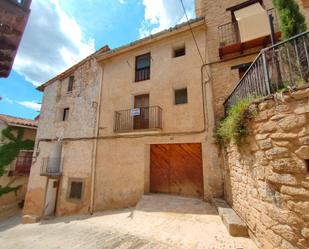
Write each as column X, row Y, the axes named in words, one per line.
column 143, row 118
column 51, row 166
column 23, row 165
column 282, row 66
column 230, row 40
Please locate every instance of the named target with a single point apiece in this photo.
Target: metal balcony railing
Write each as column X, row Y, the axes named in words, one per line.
column 138, row 118
column 142, row 74
column 282, row 66
column 23, row 165
column 51, row 166
column 229, row 32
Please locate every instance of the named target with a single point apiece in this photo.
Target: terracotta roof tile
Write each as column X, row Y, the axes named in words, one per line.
column 10, row 120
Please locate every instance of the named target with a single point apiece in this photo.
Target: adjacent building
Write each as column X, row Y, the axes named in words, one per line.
column 17, row 173
column 14, row 15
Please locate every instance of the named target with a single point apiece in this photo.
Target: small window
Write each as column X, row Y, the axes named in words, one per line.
column 179, row 52
column 76, row 190
column 242, row 68
column 142, row 67
column 181, row 96
column 65, row 115
column 70, row 83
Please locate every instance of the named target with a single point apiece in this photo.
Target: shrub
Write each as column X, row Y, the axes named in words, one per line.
column 292, row 22
column 233, row 127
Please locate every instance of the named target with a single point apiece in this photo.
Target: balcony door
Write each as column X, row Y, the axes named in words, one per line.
column 141, row 121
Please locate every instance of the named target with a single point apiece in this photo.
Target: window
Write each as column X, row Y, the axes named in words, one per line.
column 181, row 96
column 180, row 51
column 76, row 189
column 142, row 67
column 242, row 68
column 65, row 115
column 70, row 83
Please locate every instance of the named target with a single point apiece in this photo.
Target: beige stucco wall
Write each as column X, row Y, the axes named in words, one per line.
column 77, row 153
column 122, row 163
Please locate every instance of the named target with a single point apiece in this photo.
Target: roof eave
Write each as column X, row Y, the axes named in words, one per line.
column 152, row 38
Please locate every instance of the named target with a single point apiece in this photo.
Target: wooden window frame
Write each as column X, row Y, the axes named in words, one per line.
column 136, row 78
column 79, row 180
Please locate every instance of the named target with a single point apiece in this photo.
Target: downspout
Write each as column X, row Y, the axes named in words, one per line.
column 94, row 148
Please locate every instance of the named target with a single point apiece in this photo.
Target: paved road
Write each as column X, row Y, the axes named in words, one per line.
column 158, row 222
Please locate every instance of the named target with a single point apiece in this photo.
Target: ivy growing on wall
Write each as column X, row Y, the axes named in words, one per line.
column 10, row 150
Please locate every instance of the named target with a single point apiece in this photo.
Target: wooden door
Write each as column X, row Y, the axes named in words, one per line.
column 176, row 169
column 142, row 121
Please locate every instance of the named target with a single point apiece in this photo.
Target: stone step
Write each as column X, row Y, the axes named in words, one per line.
column 29, row 219
column 234, row 224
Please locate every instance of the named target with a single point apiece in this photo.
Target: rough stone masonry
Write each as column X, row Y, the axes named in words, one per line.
column 267, row 178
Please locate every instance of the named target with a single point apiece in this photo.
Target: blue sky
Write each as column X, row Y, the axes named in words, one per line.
column 60, row 33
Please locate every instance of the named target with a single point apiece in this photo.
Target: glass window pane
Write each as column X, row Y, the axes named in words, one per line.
column 143, row 61
column 181, row 96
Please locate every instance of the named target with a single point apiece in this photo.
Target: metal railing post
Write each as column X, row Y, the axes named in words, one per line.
column 266, row 72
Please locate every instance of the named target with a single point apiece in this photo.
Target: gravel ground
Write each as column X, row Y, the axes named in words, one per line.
column 158, row 222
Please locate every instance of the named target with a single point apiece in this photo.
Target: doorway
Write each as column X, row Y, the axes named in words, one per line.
column 176, row 169
column 51, row 197
column 141, row 121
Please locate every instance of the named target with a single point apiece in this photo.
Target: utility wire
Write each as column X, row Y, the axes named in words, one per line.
column 198, row 49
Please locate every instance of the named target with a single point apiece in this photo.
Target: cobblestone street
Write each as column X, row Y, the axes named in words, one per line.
column 171, row 223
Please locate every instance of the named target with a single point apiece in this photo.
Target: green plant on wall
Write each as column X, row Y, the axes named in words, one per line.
column 292, row 22
column 10, row 150
column 233, row 127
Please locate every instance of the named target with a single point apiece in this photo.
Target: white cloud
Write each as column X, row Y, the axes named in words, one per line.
column 163, row 14
column 123, row 1
column 8, row 100
column 30, row 104
column 52, row 42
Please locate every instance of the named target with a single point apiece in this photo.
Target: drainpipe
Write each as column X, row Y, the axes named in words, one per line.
column 94, row 148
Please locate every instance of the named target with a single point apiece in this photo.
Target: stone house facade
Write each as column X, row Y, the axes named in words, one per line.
column 17, row 173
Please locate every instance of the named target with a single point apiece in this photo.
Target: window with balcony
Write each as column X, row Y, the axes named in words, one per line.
column 141, row 117
column 142, row 67
column 249, row 27
column 23, row 163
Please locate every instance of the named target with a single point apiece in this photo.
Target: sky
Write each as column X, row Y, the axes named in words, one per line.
column 60, row 33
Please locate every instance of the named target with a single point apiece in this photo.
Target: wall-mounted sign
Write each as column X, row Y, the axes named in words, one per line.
column 135, row 112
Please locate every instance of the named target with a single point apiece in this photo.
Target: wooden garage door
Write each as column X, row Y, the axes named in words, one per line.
column 176, row 169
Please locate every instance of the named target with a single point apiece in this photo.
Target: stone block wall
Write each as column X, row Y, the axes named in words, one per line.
column 267, row 177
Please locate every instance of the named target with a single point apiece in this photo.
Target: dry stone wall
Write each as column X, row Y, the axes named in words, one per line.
column 267, row 177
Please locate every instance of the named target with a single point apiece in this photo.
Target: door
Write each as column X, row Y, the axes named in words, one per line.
column 51, row 197
column 142, row 102
column 176, row 169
